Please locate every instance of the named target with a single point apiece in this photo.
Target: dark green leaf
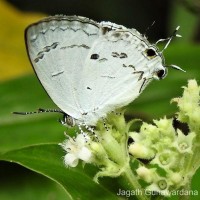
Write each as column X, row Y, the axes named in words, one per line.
column 47, row 160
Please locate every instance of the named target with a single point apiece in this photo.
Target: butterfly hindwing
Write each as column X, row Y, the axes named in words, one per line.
column 57, row 48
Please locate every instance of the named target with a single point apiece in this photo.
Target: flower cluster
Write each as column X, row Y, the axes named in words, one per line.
column 171, row 154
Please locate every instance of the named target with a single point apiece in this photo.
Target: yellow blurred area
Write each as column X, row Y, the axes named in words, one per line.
column 13, row 58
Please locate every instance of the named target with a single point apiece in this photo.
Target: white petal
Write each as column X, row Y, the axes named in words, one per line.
column 80, row 140
column 71, row 160
column 85, row 154
column 67, row 144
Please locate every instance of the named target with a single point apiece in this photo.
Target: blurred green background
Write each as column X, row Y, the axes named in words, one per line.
column 21, row 91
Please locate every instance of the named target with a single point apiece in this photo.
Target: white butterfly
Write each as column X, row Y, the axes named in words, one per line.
column 90, row 69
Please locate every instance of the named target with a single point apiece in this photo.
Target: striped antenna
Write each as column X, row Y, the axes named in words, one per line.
column 169, row 39
column 40, row 110
column 175, row 67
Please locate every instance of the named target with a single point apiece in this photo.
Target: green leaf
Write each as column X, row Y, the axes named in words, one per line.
column 46, row 159
column 18, row 182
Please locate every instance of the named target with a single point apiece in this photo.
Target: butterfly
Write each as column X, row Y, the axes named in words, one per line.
column 90, row 69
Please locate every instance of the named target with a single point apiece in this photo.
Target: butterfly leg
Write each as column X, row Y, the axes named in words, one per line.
column 104, row 124
column 63, row 120
column 83, row 133
column 116, row 113
column 90, row 129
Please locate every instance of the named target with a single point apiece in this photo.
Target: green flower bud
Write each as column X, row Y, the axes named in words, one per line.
column 146, row 174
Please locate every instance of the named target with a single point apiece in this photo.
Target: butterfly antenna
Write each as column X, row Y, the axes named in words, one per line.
column 148, row 28
column 176, row 67
column 169, row 39
column 40, row 110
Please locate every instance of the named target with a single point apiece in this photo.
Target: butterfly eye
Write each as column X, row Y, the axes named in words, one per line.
column 151, row 53
column 161, row 73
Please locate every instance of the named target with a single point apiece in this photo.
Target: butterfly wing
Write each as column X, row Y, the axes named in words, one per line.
column 57, row 48
column 87, row 68
column 119, row 73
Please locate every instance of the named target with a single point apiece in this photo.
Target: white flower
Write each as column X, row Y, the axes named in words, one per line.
column 145, row 173
column 76, row 148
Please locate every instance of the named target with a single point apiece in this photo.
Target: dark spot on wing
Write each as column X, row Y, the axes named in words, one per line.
column 127, row 35
column 115, row 54
column 105, row 30
column 131, row 66
column 150, row 53
column 161, row 73
column 116, row 34
column 89, row 88
column 40, row 55
column 119, row 55
column 107, row 76
column 75, row 45
column 46, row 49
column 141, row 74
column 103, row 59
column 94, row 56
column 123, row 55
column 57, row 73
column 54, row 45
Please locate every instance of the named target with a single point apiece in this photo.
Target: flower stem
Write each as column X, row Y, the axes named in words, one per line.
column 186, row 187
column 131, row 179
